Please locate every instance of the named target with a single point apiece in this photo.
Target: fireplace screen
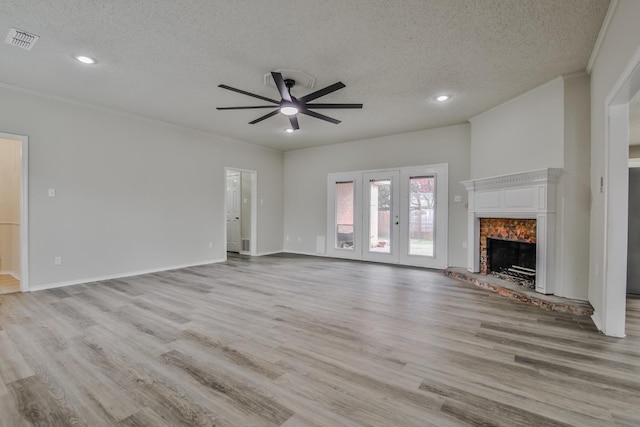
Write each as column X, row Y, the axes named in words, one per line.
column 512, row 260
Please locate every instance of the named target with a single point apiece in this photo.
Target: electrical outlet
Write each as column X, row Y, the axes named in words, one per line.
column 57, row 260
column 457, row 199
column 52, row 192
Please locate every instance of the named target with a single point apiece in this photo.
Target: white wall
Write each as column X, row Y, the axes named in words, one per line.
column 132, row 194
column 574, row 196
column 305, row 212
column 523, row 134
column 546, row 127
column 619, row 44
column 10, row 162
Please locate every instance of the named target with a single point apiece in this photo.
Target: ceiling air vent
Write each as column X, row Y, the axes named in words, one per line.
column 21, row 39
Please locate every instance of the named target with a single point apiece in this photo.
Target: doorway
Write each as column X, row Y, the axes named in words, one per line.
column 615, row 186
column 240, row 211
column 633, row 243
column 13, row 213
column 394, row 216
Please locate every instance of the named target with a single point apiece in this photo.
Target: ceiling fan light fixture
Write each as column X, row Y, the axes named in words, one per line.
column 289, row 110
column 289, row 130
column 443, row 98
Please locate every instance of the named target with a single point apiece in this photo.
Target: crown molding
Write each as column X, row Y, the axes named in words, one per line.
column 601, row 35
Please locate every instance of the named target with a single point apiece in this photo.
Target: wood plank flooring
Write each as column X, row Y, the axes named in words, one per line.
column 303, row 341
column 9, row 284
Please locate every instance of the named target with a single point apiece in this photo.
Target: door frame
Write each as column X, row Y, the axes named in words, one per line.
column 238, row 175
column 615, row 186
column 24, row 207
column 253, row 249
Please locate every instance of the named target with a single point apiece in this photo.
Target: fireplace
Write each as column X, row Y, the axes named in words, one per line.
column 508, row 249
column 517, row 208
column 512, row 260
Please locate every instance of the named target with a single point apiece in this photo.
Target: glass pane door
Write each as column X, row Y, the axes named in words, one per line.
column 381, row 216
column 345, row 213
column 344, row 221
column 422, row 215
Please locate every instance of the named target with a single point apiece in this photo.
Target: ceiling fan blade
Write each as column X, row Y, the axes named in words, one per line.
column 294, row 122
column 266, row 116
column 320, row 116
column 245, row 108
column 337, row 106
column 282, row 88
column 233, row 89
column 322, row 92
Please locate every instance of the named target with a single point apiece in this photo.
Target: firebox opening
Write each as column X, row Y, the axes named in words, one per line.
column 512, row 260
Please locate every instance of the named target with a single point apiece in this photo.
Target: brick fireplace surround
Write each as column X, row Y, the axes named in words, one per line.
column 517, row 230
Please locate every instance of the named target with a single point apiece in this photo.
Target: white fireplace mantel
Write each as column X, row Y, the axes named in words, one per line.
column 529, row 194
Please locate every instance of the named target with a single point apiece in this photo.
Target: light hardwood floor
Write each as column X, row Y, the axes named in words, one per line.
column 304, row 341
column 9, row 284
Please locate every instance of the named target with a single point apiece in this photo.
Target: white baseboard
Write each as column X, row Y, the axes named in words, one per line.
column 11, row 273
column 118, row 276
column 597, row 320
column 269, row 253
column 302, row 253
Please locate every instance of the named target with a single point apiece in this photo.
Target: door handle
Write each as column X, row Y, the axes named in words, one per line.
column 239, row 218
column 397, row 223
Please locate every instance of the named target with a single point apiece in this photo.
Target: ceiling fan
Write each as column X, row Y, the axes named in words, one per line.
column 289, row 105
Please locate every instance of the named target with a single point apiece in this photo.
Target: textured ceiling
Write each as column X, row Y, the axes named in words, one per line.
column 163, row 59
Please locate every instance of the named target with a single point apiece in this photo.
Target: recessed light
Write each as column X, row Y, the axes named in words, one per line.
column 85, row 59
column 289, row 130
column 443, row 98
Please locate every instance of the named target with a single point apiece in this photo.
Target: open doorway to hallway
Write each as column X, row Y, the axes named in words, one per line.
column 633, row 243
column 240, row 210
column 615, row 186
column 13, row 213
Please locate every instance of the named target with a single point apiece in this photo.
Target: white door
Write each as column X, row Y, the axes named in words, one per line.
column 233, row 211
column 381, row 216
column 423, row 216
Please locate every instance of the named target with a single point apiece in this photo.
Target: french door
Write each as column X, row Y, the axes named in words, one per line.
column 381, row 216
column 392, row 216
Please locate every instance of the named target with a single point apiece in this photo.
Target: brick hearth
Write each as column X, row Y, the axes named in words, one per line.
column 522, row 294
